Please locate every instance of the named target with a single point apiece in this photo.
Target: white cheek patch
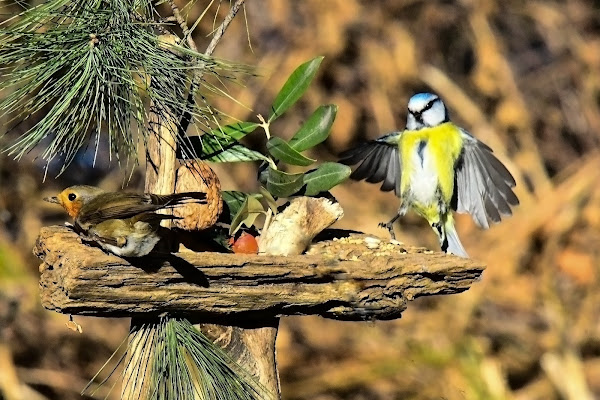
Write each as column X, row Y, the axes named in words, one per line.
column 411, row 123
column 435, row 115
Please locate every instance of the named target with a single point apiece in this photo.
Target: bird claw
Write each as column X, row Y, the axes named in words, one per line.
column 87, row 239
column 390, row 227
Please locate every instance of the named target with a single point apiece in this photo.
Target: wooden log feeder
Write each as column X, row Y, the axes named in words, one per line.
column 357, row 277
column 342, row 275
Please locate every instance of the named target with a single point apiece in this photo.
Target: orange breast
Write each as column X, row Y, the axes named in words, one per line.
column 72, row 207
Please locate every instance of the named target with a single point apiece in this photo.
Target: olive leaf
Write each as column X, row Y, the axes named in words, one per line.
column 282, row 151
column 325, row 177
column 269, row 199
column 237, row 130
column 282, row 184
column 316, row 128
column 250, row 209
column 294, row 87
column 220, row 149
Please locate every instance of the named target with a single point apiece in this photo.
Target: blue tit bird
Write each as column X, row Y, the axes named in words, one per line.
column 435, row 166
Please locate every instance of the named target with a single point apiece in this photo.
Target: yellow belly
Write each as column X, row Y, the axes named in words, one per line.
column 428, row 160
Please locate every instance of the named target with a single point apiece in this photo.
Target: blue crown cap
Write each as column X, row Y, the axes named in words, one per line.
column 419, row 100
column 422, row 97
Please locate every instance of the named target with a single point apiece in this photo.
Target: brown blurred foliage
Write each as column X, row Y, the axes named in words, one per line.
column 524, row 77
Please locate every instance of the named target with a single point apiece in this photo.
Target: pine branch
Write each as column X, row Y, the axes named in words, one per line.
column 223, row 27
column 187, row 117
column 183, row 25
column 87, row 76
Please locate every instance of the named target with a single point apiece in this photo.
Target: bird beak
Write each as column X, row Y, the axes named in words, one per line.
column 51, row 200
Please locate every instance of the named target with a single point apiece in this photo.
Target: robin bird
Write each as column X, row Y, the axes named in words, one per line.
column 435, row 167
column 123, row 223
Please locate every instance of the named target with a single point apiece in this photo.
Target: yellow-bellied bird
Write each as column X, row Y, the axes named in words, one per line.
column 123, row 223
column 434, row 167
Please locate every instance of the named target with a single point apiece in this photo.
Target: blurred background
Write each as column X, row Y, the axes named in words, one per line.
column 524, row 77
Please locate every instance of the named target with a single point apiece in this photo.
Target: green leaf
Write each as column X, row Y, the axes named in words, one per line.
column 315, row 129
column 325, row 177
column 282, row 151
column 234, row 200
column 250, row 209
column 281, row 184
column 294, row 87
column 269, row 199
column 237, row 130
column 218, row 149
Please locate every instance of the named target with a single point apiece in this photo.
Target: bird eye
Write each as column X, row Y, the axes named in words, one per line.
column 72, row 196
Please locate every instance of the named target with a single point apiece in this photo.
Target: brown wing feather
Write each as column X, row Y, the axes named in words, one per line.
column 122, row 205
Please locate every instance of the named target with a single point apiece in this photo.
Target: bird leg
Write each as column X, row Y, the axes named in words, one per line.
column 437, row 228
column 390, row 226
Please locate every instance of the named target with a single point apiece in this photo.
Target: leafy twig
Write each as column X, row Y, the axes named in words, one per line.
column 187, row 117
column 183, row 24
column 224, row 25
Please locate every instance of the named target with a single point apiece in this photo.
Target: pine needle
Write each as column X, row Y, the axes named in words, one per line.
column 91, row 68
column 174, row 360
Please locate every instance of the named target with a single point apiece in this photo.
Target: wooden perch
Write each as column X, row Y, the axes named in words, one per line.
column 353, row 278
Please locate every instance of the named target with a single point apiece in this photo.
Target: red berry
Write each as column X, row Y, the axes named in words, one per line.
column 246, row 244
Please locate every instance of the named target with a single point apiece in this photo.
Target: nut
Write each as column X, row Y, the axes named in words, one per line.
column 197, row 176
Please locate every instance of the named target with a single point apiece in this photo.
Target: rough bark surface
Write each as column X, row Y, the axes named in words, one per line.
column 352, row 278
column 293, row 230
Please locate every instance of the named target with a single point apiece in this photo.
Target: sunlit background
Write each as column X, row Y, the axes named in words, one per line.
column 524, row 77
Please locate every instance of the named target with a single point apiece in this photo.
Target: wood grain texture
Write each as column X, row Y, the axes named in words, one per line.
column 348, row 279
column 161, row 159
column 293, row 230
column 161, row 162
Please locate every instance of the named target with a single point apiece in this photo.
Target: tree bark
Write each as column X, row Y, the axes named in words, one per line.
column 352, row 278
column 161, row 162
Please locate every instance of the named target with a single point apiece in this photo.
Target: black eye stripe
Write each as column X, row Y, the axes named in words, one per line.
column 429, row 105
column 417, row 114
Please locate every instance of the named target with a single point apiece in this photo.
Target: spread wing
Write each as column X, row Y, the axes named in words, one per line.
column 126, row 205
column 483, row 185
column 379, row 162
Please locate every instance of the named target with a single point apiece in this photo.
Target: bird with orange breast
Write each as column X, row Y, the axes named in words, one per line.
column 123, row 223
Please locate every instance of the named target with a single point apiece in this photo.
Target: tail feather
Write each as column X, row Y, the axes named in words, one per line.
column 449, row 240
column 175, row 199
column 152, row 217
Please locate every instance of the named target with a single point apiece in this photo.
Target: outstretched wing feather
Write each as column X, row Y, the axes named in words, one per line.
column 379, row 162
column 483, row 184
